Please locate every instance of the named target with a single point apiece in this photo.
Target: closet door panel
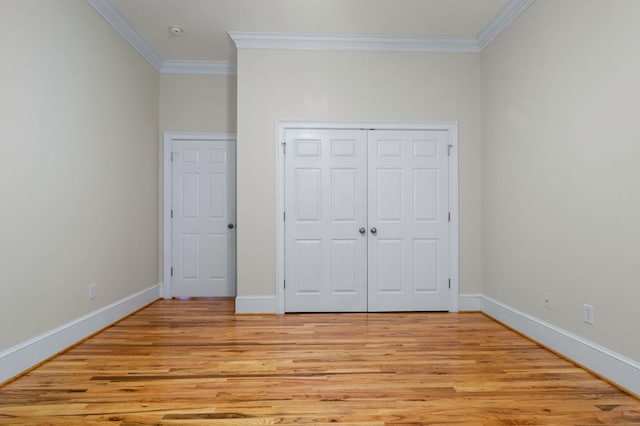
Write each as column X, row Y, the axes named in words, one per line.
column 408, row 221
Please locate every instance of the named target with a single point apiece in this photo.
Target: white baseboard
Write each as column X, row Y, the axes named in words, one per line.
column 25, row 355
column 616, row 368
column 256, row 305
column 470, row 302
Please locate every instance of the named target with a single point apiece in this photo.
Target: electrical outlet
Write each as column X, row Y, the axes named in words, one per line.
column 587, row 314
column 92, row 291
column 547, row 300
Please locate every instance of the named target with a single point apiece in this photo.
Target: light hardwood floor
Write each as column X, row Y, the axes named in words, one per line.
column 194, row 362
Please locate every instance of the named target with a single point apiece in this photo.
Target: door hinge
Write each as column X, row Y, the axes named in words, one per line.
column 449, row 282
column 172, row 271
column 449, row 150
column 172, row 156
column 284, row 216
column 284, row 147
column 449, row 216
column 171, row 213
column 285, row 284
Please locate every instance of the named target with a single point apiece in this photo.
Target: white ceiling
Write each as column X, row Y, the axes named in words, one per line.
column 206, row 22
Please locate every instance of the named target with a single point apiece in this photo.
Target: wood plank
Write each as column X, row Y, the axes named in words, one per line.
column 195, row 362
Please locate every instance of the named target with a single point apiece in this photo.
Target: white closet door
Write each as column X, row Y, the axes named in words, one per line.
column 203, row 225
column 325, row 226
column 408, row 221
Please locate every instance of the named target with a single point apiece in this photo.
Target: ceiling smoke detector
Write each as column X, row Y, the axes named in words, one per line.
column 176, row 31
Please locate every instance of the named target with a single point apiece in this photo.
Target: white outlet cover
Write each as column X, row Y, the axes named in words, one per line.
column 588, row 314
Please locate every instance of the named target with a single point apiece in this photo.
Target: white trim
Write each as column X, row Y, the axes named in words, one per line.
column 615, row 367
column 470, row 302
column 310, row 41
column 352, row 42
column 256, row 305
column 502, row 21
column 450, row 126
column 379, row 42
column 280, row 208
column 167, row 197
column 167, row 194
column 198, row 67
column 27, row 354
column 454, row 223
column 376, row 125
column 114, row 18
column 122, row 27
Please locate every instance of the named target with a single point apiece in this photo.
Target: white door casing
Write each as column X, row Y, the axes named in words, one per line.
column 200, row 218
column 411, row 194
column 326, row 228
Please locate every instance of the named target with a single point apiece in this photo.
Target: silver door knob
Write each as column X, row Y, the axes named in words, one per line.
column 374, row 230
column 230, row 226
column 362, row 230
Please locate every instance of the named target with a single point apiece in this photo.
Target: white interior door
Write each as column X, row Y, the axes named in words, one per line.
column 367, row 226
column 203, row 223
column 325, row 226
column 408, row 221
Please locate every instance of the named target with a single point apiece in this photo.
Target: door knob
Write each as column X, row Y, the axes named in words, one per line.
column 230, row 226
column 374, row 230
column 362, row 230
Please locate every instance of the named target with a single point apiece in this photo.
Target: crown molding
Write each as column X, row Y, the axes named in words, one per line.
column 502, row 21
column 361, row 42
column 115, row 19
column 110, row 14
column 310, row 41
column 197, row 67
column 351, row 42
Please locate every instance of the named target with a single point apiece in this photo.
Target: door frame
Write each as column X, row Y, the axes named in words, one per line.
column 167, row 195
column 450, row 126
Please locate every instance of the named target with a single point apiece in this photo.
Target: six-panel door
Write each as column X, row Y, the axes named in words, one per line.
column 203, row 244
column 408, row 207
column 367, row 220
column 325, row 264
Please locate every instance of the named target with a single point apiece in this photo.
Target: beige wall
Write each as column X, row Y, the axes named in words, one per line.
column 78, row 169
column 303, row 85
column 197, row 103
column 561, row 190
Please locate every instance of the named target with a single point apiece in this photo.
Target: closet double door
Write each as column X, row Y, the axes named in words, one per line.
column 366, row 220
